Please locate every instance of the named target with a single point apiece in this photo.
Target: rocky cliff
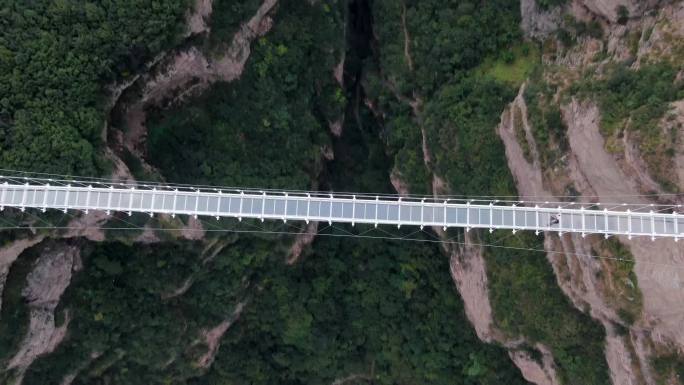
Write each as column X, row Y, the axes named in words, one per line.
column 635, row 307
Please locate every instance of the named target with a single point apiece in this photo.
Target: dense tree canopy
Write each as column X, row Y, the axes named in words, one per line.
column 266, row 129
column 55, row 58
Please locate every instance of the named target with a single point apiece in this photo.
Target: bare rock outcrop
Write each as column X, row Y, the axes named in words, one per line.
column 540, row 373
column 659, row 265
column 576, row 272
column 528, row 176
column 212, row 337
column 188, row 72
column 468, row 270
column 608, row 9
column 198, row 19
column 674, row 122
column 47, row 281
column 537, row 23
column 193, row 230
column 663, row 35
column 10, row 253
column 301, row 241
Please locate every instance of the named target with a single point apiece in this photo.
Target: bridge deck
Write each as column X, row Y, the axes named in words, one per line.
column 341, row 209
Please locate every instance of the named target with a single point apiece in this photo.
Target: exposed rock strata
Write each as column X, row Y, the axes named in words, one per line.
column 45, row 284
column 10, row 253
column 661, row 284
column 577, row 274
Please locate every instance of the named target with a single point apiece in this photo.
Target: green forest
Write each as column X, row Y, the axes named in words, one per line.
column 459, row 113
column 56, row 59
column 423, row 87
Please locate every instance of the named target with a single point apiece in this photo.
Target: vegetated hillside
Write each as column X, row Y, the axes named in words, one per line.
column 580, row 98
column 598, row 115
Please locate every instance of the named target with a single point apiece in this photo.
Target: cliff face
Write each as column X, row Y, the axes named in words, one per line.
column 634, row 308
column 49, row 277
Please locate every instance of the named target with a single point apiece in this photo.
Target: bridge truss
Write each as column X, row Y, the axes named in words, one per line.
column 563, row 217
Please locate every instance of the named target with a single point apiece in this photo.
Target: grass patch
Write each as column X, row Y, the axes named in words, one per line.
column 619, row 280
column 512, row 66
column 544, row 116
column 520, row 135
column 668, row 368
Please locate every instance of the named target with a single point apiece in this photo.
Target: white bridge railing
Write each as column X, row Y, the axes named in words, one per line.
column 339, row 208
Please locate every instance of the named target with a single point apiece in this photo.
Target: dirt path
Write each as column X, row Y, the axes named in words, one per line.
column 407, row 38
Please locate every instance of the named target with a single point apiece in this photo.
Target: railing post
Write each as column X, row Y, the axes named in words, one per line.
column 154, row 194
column 197, row 204
column 676, row 226
column 66, row 197
column 467, row 216
column 652, row 225
column 353, row 209
column 445, row 215
column 491, row 217
column 308, row 207
column 377, row 200
column 175, row 199
column 399, row 213
column 54, row 199
column 87, row 204
column 263, row 205
column 536, row 220
column 130, row 202
column 45, row 194
column 4, row 193
column 23, row 198
column 284, row 213
column 142, row 193
column 163, row 204
column 422, row 210
column 331, row 211
column 218, row 205
column 513, row 210
column 109, row 200
column 605, row 222
column 242, row 198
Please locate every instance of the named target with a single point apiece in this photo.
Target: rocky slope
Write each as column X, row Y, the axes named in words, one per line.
column 45, row 285
column 601, row 175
